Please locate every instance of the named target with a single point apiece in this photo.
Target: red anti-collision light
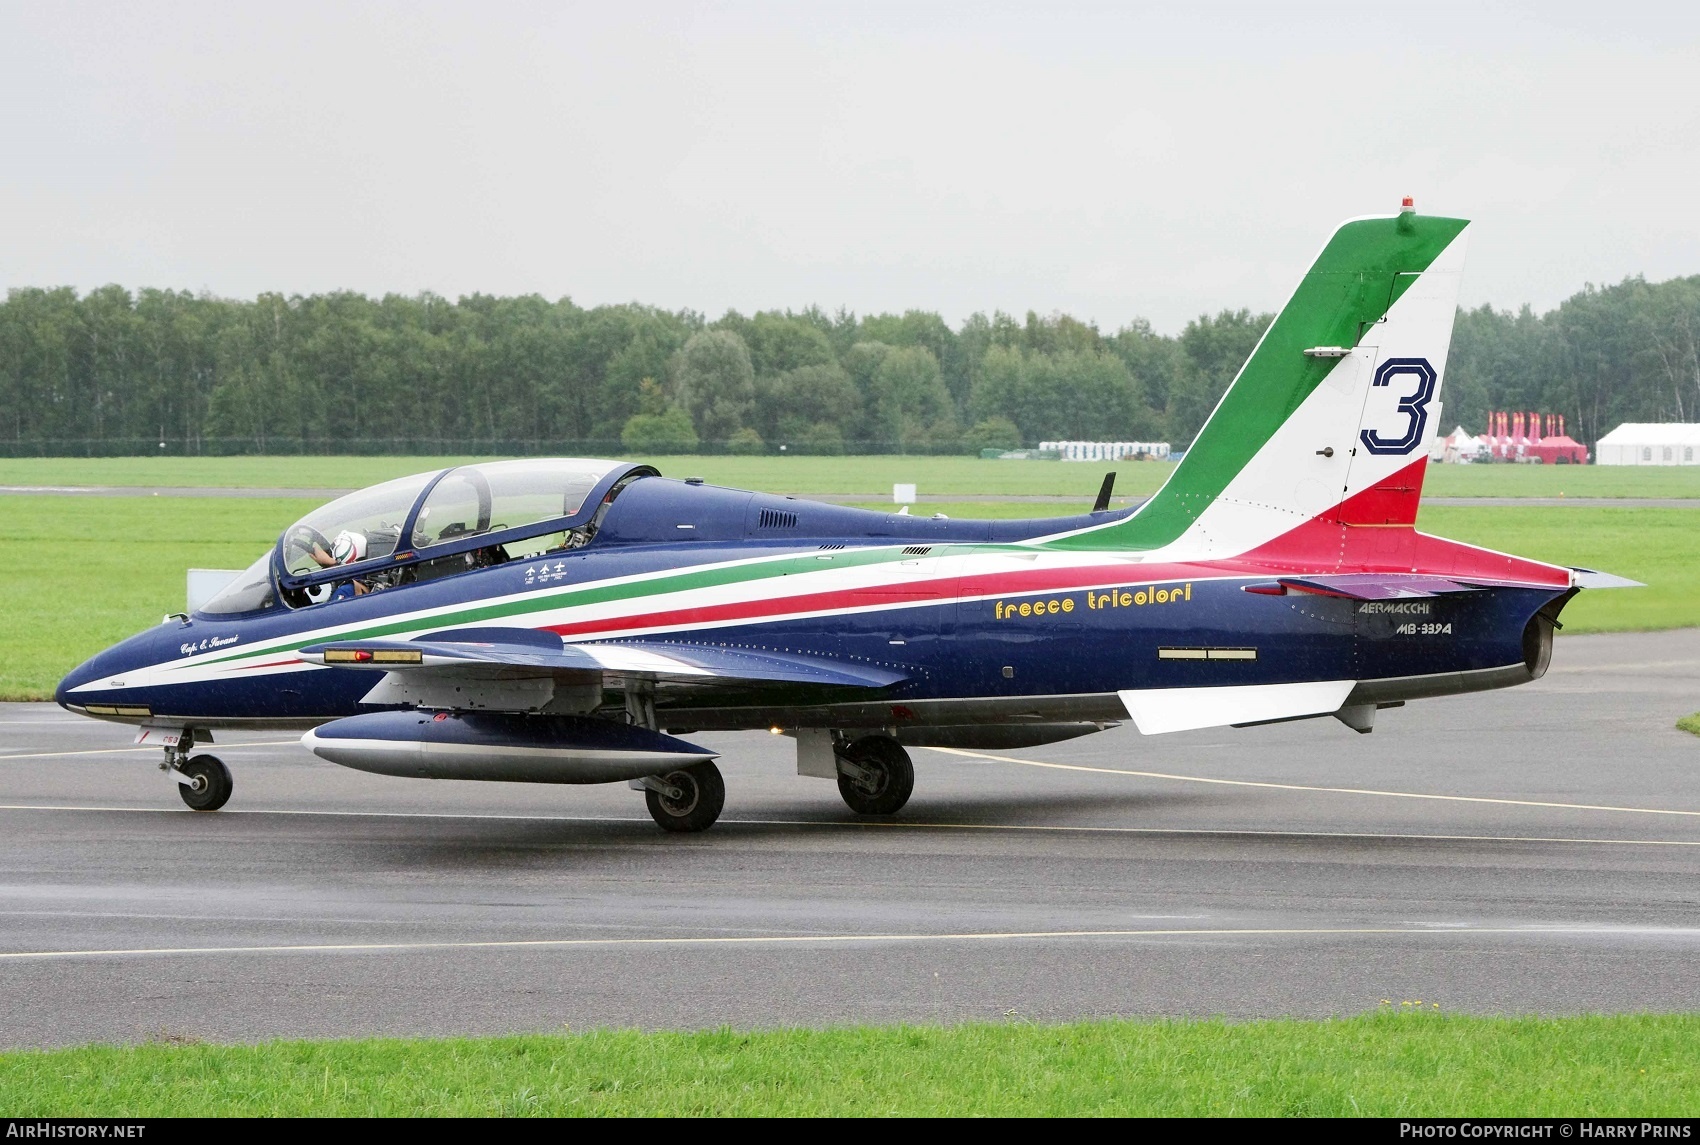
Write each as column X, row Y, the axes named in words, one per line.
column 362, row 654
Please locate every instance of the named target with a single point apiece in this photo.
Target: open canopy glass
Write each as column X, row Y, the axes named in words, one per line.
column 376, row 516
column 490, row 498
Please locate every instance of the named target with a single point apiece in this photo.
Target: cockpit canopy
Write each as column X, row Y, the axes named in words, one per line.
column 431, row 524
column 460, row 503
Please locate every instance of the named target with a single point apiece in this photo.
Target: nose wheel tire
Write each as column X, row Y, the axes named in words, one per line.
column 701, row 795
column 210, row 783
column 881, row 778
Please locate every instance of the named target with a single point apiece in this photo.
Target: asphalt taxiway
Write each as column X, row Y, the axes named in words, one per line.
column 1533, row 850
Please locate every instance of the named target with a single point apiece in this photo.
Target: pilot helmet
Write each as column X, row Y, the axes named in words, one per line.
column 348, row 548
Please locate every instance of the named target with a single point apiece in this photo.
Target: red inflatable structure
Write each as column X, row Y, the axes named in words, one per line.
column 1536, row 438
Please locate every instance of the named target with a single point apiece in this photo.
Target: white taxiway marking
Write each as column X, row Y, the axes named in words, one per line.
column 1638, row 666
column 144, row 747
column 892, row 825
column 1304, row 787
column 841, row 939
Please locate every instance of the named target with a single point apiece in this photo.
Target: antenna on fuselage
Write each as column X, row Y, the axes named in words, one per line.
column 1104, row 491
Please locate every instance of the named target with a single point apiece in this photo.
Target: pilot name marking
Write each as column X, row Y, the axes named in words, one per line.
column 192, row 646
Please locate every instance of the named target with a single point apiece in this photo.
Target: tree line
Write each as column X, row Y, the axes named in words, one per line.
column 112, row 371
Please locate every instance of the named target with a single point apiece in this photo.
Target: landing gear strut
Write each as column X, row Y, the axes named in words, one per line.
column 875, row 776
column 684, row 801
column 203, row 781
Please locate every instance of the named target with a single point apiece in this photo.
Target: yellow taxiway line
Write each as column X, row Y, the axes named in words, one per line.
column 847, row 939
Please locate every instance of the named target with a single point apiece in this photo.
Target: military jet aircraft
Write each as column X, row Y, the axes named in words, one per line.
column 568, row 621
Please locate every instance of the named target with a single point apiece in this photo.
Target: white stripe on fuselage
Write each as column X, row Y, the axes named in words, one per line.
column 625, row 617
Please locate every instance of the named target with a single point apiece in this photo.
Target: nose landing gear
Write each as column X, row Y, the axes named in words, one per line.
column 203, row 781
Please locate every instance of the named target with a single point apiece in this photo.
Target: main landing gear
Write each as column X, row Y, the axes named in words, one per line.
column 875, row 776
column 203, row 781
column 684, row 801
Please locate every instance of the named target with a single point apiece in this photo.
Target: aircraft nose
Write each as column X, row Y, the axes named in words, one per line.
column 123, row 659
column 87, row 672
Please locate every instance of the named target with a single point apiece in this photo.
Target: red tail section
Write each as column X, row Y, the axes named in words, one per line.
column 1375, row 531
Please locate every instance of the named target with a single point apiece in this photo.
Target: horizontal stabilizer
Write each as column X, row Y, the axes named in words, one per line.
column 648, row 659
column 1593, row 578
column 1159, row 710
column 1377, row 586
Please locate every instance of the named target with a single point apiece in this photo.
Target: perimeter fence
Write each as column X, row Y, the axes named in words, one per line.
column 444, row 447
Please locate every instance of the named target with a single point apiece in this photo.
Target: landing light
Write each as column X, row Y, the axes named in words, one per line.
column 378, row 656
column 398, row 656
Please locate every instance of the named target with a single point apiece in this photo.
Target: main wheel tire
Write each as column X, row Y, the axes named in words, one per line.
column 892, row 781
column 702, row 795
column 212, row 783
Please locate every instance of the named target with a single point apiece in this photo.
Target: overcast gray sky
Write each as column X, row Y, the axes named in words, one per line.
column 1109, row 161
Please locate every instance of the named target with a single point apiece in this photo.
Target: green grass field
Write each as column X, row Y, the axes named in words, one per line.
column 85, row 572
column 1387, row 1064
column 873, row 475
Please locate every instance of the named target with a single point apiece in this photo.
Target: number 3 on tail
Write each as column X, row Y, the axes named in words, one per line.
column 1414, row 406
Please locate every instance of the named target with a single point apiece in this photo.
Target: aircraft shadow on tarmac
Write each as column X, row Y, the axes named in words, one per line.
column 487, row 842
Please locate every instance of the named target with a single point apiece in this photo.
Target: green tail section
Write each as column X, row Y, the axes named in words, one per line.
column 1364, row 268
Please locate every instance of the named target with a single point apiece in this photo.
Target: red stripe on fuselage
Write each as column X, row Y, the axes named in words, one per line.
column 269, row 664
column 1371, row 531
column 940, row 590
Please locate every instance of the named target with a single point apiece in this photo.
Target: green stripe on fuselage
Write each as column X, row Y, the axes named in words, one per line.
column 595, row 593
column 1360, row 273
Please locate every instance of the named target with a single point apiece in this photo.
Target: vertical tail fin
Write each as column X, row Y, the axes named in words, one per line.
column 1331, row 416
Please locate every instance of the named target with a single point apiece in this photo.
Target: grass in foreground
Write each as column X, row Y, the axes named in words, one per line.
column 1378, row 1065
column 871, row 475
column 89, row 571
column 1690, row 724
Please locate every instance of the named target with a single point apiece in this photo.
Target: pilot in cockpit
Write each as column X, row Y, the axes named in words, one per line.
column 345, row 550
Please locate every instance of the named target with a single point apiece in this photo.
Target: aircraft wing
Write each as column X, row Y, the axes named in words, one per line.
column 507, row 654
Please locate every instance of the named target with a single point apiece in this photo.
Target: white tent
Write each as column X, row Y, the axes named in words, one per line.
column 1650, row 443
column 1459, row 446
